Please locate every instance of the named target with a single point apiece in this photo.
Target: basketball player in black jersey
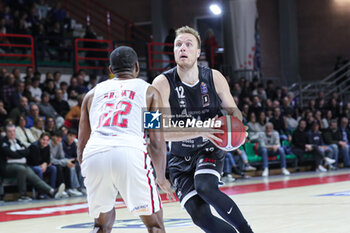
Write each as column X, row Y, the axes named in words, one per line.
column 195, row 164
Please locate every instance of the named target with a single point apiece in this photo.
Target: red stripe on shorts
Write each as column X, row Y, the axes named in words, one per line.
column 149, row 183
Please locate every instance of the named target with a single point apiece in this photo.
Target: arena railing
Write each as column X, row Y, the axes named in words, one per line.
column 20, row 44
column 94, row 52
column 156, row 48
column 106, row 20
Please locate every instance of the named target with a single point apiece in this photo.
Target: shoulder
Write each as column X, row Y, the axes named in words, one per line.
column 161, row 83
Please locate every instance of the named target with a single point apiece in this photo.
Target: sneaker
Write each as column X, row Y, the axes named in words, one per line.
column 320, row 168
column 249, row 167
column 285, row 171
column 228, row 178
column 329, row 161
column 24, row 198
column 74, row 193
column 331, row 167
column 265, row 172
column 82, row 190
column 59, row 192
column 65, row 194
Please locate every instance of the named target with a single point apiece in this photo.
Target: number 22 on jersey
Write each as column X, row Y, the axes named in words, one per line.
column 112, row 114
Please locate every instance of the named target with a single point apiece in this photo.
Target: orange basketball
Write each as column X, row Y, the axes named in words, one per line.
column 234, row 133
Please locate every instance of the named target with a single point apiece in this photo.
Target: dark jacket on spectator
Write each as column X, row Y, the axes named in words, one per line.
column 61, row 107
column 315, row 138
column 7, row 153
column 38, row 155
column 332, row 137
column 299, row 139
column 70, row 151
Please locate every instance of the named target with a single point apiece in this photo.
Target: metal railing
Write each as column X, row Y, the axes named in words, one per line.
column 19, row 43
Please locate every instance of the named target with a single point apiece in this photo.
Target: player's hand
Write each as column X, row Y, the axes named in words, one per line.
column 210, row 135
column 164, row 184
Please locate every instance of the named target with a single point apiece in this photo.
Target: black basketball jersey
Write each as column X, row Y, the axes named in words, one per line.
column 200, row 101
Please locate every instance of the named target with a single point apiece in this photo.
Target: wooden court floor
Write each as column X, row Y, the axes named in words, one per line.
column 304, row 202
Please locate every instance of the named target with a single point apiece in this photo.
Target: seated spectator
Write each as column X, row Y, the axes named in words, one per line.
column 326, row 120
column 59, row 104
column 16, row 96
column 38, row 128
column 33, row 113
column 279, row 123
column 39, row 159
column 292, row 123
column 48, row 111
column 333, row 135
column 316, row 141
column 64, row 88
column 73, row 116
column 24, row 134
column 300, row 146
column 62, row 163
column 50, row 88
column 70, row 151
column 318, row 118
column 269, row 145
column 50, row 125
column 13, row 164
column 254, row 127
column 73, row 99
column 245, row 165
column 35, row 90
column 7, row 90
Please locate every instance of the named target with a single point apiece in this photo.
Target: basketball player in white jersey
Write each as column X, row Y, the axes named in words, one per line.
column 112, row 147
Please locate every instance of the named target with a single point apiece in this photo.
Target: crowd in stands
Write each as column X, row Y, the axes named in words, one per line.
column 39, row 123
column 279, row 125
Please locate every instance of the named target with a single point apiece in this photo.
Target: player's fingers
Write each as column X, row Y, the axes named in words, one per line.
column 246, row 128
column 212, row 137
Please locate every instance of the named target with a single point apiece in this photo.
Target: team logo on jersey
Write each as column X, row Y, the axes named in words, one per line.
column 204, row 88
column 151, row 120
column 205, row 100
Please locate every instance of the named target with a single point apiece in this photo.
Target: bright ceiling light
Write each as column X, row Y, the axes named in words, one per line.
column 215, row 8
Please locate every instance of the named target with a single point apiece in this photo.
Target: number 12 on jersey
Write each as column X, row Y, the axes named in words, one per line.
column 112, row 114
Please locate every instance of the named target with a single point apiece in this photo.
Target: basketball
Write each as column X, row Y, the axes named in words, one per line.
column 234, row 133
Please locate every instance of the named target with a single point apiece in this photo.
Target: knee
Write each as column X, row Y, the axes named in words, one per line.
column 281, row 151
column 205, row 189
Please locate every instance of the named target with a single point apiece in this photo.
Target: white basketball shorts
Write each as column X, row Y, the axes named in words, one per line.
column 125, row 169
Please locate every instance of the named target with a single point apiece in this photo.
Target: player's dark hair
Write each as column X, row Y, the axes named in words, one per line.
column 123, row 59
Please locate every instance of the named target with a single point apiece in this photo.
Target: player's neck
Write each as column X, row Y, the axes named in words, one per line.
column 188, row 75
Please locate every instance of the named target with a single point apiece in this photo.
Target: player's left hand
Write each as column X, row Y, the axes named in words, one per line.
column 164, row 184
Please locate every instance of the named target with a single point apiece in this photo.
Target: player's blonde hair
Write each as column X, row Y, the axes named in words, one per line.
column 187, row 29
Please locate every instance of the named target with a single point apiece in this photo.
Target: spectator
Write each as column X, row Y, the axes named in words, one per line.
column 333, row 135
column 269, row 144
column 33, row 113
column 61, row 106
column 256, row 107
column 326, row 120
column 323, row 152
column 260, row 92
column 50, row 125
column 270, row 90
column 38, row 128
column 57, row 78
column 300, row 146
column 7, row 90
column 13, row 164
column 48, row 111
column 39, row 159
column 24, row 134
column 62, row 164
column 17, row 95
column 292, row 123
column 50, row 88
column 64, row 87
column 70, row 150
column 29, row 73
column 254, row 127
column 73, row 116
column 35, row 90
column 279, row 123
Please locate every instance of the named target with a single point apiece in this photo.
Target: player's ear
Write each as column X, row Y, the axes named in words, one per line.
column 110, row 69
column 198, row 52
column 137, row 69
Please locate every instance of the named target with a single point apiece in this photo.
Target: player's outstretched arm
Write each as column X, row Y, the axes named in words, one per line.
column 157, row 147
column 223, row 90
column 84, row 125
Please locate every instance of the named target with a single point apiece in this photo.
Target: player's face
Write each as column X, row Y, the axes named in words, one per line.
column 186, row 50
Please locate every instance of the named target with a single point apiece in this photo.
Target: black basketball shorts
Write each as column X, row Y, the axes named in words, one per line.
column 208, row 160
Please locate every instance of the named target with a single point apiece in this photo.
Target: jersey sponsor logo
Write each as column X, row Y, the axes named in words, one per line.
column 205, row 100
column 151, row 120
column 136, row 224
column 204, row 88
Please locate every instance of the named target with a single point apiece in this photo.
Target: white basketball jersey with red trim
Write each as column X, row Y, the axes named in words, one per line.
column 116, row 115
